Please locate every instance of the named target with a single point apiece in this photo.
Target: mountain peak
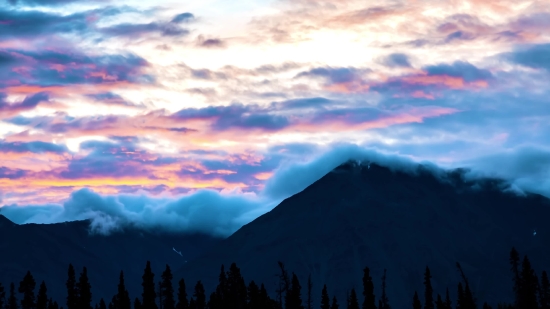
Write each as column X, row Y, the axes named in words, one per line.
column 5, row 222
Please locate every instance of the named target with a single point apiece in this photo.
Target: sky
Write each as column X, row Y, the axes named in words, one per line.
column 202, row 115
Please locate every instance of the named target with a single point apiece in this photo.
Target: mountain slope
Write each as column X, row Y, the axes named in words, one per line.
column 359, row 216
column 47, row 249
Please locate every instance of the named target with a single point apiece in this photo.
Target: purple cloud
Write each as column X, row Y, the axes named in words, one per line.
column 534, row 56
column 34, row 147
column 397, row 60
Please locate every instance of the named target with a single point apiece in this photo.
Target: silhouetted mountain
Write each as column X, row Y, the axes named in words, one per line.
column 368, row 215
column 47, row 249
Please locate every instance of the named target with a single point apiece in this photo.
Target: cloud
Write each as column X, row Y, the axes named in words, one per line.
column 182, row 18
column 397, row 60
column 210, row 42
column 47, row 2
column 68, row 67
column 534, row 56
column 30, row 102
column 462, row 69
column 34, row 147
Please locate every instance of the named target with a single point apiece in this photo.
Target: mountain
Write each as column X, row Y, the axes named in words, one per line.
column 362, row 215
column 47, row 249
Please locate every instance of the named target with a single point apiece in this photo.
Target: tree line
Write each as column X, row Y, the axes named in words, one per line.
column 233, row 293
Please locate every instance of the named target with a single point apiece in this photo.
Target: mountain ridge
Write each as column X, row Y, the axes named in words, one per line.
column 404, row 210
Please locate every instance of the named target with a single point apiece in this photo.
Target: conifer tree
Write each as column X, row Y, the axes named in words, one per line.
column 309, row 287
column 137, row 304
column 544, row 292
column 439, row 304
column 514, row 263
column 122, row 298
column 149, row 294
column 72, row 292
column 84, row 290
column 265, row 301
column 2, row 296
column 236, row 288
column 167, row 290
column 53, row 304
column 293, row 299
column 416, row 301
column 42, row 297
column 528, row 286
column 182, row 303
column 428, row 294
column 199, row 296
column 460, row 302
column 353, row 302
column 12, row 298
column 448, row 302
column 486, row 306
column 26, row 287
column 384, row 301
column 468, row 300
column 368, row 290
column 102, row 304
column 325, row 300
column 192, row 303
column 334, row 303
column 253, row 296
column 284, row 283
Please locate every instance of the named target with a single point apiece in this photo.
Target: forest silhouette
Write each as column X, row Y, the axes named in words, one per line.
column 233, row 293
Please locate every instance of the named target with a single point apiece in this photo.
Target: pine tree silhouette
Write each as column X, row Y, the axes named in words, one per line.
column 439, row 304
column 469, row 301
column 265, row 301
column 428, row 292
column 293, row 299
column 284, row 284
column 53, row 305
column 137, row 304
column 325, row 300
column 149, row 294
column 309, row 301
column 122, row 298
column 12, row 298
column 334, row 303
column 84, row 290
column 460, row 301
column 42, row 297
column 368, row 290
column 448, row 302
column 514, row 263
column 2, row 296
column 384, row 301
column 253, row 296
column 72, row 292
column 236, row 287
column 544, row 292
column 416, row 301
column 167, row 290
column 192, row 303
column 183, row 303
column 528, row 286
column 353, row 302
column 26, row 287
column 199, row 296
column 102, row 304
column 486, row 306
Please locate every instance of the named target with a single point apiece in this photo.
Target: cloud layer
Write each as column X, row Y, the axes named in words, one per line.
column 118, row 105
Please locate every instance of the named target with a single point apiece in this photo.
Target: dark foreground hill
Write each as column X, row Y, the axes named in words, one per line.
column 361, row 215
column 47, row 249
